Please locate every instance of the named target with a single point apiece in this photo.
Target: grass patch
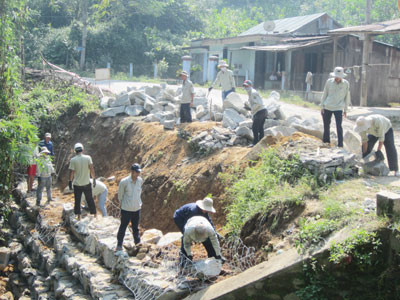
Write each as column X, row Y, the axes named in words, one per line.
column 46, row 102
column 272, row 182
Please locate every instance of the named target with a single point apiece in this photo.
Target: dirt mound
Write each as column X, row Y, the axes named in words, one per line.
column 172, row 176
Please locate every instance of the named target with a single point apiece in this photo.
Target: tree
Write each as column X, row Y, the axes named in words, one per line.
column 16, row 132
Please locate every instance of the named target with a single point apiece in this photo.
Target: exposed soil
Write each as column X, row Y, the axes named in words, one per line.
column 172, row 176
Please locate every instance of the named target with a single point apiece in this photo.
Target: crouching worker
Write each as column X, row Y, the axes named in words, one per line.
column 100, row 193
column 199, row 230
column 375, row 128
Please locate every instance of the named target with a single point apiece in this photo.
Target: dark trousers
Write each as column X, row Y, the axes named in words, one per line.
column 185, row 113
column 87, row 190
column 326, row 117
column 207, row 243
column 391, row 152
column 226, row 93
column 258, row 125
column 126, row 217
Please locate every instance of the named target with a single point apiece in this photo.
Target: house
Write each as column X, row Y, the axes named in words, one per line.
column 278, row 55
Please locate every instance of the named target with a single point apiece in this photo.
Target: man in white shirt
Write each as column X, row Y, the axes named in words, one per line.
column 197, row 230
column 225, row 79
column 187, row 98
column 81, row 168
column 45, row 169
column 129, row 195
column 375, row 128
column 258, row 111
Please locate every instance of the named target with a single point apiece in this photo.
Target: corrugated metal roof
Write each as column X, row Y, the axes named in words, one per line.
column 391, row 26
column 289, row 46
column 286, row 25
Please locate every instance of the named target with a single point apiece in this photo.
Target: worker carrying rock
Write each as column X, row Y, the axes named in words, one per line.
column 375, row 128
column 200, row 208
column 225, row 79
column 199, row 230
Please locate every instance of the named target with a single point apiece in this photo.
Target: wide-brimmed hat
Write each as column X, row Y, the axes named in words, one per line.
column 184, row 73
column 362, row 124
column 206, row 204
column 44, row 150
column 338, row 72
column 222, row 63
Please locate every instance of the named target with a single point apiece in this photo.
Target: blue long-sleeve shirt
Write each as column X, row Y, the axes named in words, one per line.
column 185, row 212
column 48, row 145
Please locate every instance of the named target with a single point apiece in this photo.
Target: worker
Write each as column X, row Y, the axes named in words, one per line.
column 258, row 111
column 81, row 168
column 129, row 195
column 375, row 128
column 187, row 98
column 225, row 79
column 335, row 100
column 198, row 230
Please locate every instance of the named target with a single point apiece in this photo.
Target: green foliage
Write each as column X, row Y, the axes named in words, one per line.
column 162, row 67
column 312, row 233
column 17, row 135
column 272, row 182
column 318, row 282
column 46, row 103
column 360, row 248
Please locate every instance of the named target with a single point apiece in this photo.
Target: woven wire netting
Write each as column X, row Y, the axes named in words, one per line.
column 173, row 270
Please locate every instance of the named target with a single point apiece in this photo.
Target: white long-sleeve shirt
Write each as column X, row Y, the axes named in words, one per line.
column 336, row 95
column 380, row 125
column 225, row 79
column 190, row 234
column 129, row 193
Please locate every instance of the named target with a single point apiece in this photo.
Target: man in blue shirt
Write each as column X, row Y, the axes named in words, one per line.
column 47, row 143
column 199, row 208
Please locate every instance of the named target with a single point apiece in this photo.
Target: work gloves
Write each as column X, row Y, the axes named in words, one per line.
column 94, row 182
column 379, row 155
column 70, row 185
column 210, row 88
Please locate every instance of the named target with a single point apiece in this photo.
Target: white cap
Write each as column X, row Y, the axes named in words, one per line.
column 78, row 146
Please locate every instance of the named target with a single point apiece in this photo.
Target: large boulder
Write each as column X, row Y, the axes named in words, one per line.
column 153, row 91
column 271, row 123
column 151, row 236
column 106, row 101
column 169, row 124
column 231, row 118
column 234, row 101
column 169, row 238
column 122, row 100
column 197, row 101
column 148, row 105
column 247, row 123
column 113, row 111
column 352, row 142
column 376, row 168
column 244, row 131
column 134, row 110
column 279, row 131
column 200, row 112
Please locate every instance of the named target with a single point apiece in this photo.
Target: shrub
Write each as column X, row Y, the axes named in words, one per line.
column 273, row 181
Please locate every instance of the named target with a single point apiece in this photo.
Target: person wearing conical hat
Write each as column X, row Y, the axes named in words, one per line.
column 225, row 79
